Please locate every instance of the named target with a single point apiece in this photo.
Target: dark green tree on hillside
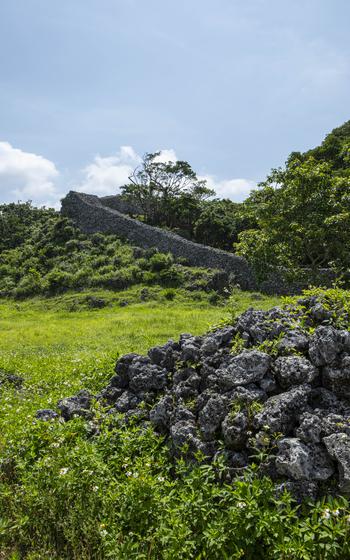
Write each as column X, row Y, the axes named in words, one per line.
column 220, row 222
column 168, row 193
column 302, row 212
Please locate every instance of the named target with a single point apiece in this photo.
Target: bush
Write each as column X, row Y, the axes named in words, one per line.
column 58, row 281
column 160, row 261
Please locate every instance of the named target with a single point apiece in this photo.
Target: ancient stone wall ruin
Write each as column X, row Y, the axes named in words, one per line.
column 91, row 214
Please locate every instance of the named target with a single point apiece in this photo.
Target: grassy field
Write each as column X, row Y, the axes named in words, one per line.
column 68, row 496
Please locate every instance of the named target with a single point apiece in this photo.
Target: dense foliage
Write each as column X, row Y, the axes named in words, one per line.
column 168, row 193
column 302, row 212
column 43, row 253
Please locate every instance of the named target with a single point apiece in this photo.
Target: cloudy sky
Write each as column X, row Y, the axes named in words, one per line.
column 232, row 86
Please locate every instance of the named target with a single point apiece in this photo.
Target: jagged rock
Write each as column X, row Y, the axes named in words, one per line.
column 161, row 413
column 268, row 384
column 299, row 489
column 337, row 379
column 338, row 446
column 248, row 367
column 145, row 376
column 299, row 461
column 164, row 356
column 235, row 430
column 127, row 401
column 313, row 427
column 212, row 414
column 280, row 412
column 109, row 394
column 324, row 346
column 293, row 341
column 319, row 314
column 78, row 405
column 121, row 379
column 11, row 379
column 294, row 370
column 46, row 414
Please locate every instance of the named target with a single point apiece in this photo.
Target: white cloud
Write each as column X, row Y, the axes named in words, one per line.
column 26, row 176
column 106, row 174
column 234, row 189
column 166, row 155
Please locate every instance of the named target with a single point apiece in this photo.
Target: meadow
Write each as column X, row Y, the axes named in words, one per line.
column 69, row 492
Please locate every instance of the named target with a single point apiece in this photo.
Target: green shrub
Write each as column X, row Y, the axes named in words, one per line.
column 160, row 261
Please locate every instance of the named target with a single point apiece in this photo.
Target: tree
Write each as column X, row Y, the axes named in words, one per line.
column 303, row 217
column 165, row 190
column 220, row 222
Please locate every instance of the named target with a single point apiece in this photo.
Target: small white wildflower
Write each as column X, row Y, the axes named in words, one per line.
column 326, row 514
column 95, row 488
column 63, row 471
column 241, row 505
column 103, row 533
column 128, row 473
column 160, row 478
column 336, row 512
column 136, row 474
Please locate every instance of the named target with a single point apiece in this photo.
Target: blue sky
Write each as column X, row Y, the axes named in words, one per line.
column 232, row 86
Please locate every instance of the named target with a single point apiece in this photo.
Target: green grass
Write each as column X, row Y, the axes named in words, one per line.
column 59, row 352
column 67, row 496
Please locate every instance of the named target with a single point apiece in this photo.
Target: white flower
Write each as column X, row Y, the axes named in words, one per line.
column 63, row 471
column 160, row 478
column 103, row 533
column 336, row 512
column 326, row 514
column 95, row 488
column 241, row 505
column 128, row 473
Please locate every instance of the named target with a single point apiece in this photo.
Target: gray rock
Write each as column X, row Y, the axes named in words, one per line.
column 183, row 433
column 299, row 461
column 281, row 412
column 127, row 401
column 324, row 346
column 161, row 413
column 46, row 414
column 121, row 379
column 164, row 356
column 314, row 427
column 234, row 430
column 293, row 341
column 338, row 446
column 268, row 384
column 78, row 405
column 248, row 367
column 294, row 370
column 299, row 489
column 337, row 379
column 145, row 376
column 212, row 414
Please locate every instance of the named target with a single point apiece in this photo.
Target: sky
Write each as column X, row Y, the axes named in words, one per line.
column 87, row 87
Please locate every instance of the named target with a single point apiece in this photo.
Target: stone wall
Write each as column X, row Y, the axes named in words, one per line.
column 116, row 202
column 91, row 214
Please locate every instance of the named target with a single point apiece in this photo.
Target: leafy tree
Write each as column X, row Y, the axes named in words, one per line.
column 165, row 191
column 303, row 217
column 220, row 222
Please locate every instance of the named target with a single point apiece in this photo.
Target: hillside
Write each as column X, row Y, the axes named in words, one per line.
column 43, row 253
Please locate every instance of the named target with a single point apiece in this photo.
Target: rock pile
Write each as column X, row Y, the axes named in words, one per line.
column 277, row 380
